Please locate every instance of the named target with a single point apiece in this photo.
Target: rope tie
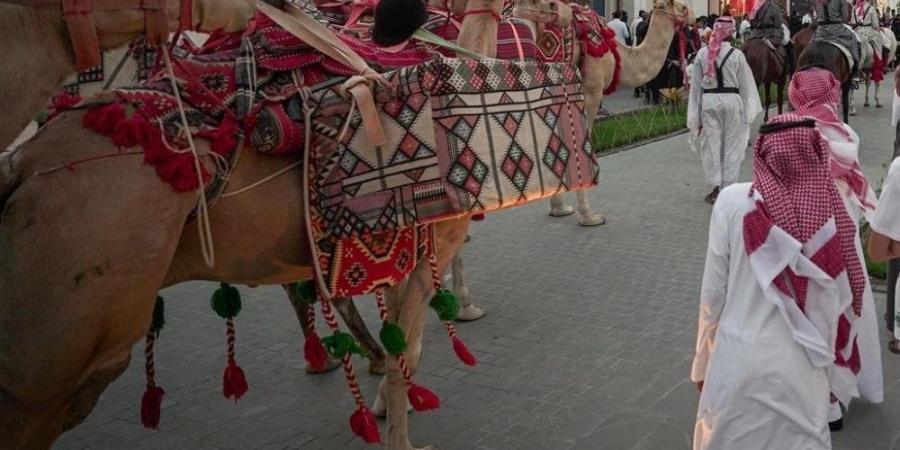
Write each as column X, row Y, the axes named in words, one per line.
column 204, row 228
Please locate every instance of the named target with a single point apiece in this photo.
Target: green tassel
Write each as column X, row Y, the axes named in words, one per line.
column 445, row 304
column 393, row 338
column 159, row 316
column 340, row 344
column 306, row 290
column 226, row 301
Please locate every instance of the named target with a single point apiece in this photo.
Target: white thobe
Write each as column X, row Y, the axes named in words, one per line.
column 621, row 29
column 887, row 217
column 871, row 375
column 761, row 391
column 722, row 121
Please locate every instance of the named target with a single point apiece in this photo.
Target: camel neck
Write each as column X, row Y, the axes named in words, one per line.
column 39, row 59
column 645, row 61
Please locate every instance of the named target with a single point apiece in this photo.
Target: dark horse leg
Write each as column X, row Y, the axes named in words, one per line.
column 780, row 87
column 845, row 100
column 768, row 97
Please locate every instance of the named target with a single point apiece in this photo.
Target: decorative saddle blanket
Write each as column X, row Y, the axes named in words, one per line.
column 462, row 137
column 588, row 29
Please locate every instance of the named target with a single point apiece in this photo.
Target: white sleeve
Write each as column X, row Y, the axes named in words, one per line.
column 749, row 93
column 887, row 216
column 696, row 93
column 712, row 292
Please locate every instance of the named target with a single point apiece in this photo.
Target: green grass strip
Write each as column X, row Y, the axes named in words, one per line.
column 632, row 127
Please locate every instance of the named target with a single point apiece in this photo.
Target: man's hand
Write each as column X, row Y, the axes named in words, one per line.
column 227, row 15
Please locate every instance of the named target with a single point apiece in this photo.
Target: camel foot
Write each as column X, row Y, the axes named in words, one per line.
column 376, row 367
column 853, row 112
column 866, row 105
column 894, row 346
column 878, row 105
column 332, row 364
column 562, row 211
column 379, row 407
column 470, row 313
column 592, row 220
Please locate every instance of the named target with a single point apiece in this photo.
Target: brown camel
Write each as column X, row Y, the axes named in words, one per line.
column 639, row 65
column 768, row 68
column 85, row 252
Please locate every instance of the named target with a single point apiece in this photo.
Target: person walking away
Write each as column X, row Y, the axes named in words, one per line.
column 722, row 103
column 831, row 27
column 815, row 93
column 621, row 29
column 884, row 239
column 780, row 283
column 767, row 23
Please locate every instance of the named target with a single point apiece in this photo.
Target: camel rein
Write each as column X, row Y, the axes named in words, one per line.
column 83, row 34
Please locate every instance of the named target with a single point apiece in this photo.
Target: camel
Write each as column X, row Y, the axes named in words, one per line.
column 640, row 64
column 86, row 251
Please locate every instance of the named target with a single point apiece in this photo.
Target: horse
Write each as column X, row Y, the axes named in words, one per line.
column 768, row 68
column 828, row 56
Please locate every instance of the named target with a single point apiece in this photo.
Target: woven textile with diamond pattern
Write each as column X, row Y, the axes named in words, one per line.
column 463, row 136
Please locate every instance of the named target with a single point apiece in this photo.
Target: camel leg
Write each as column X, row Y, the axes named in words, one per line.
column 559, row 208
column 406, row 305
column 469, row 311
column 306, row 315
column 79, row 274
column 357, row 326
column 592, row 97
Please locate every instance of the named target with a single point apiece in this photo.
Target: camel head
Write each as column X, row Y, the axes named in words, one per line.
column 676, row 9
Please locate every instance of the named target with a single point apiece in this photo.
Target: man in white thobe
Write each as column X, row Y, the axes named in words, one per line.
column 723, row 102
column 816, row 93
column 781, row 285
column 620, row 27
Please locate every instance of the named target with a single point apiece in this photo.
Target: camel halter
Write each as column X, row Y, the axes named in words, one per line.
column 83, row 34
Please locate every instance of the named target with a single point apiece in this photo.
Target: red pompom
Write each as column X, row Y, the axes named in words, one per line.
column 104, row 119
column 314, row 352
column 477, row 217
column 223, row 137
column 463, row 353
column 363, row 424
column 151, row 404
column 133, row 131
column 65, row 100
column 234, row 383
column 422, row 399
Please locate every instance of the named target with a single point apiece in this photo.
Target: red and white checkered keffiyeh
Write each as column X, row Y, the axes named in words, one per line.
column 815, row 93
column 723, row 30
column 797, row 196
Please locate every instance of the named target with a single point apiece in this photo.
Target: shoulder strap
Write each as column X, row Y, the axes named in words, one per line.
column 720, row 77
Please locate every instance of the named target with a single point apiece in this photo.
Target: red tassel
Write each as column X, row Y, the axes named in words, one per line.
column 133, row 131
column 363, row 424
column 477, row 217
column 314, row 352
column 104, row 119
column 234, row 383
column 151, row 404
column 463, row 353
column 422, row 399
column 222, row 138
column 65, row 100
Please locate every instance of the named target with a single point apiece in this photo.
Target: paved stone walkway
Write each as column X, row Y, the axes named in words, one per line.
column 587, row 343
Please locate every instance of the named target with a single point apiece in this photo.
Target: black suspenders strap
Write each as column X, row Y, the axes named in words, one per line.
column 720, row 77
